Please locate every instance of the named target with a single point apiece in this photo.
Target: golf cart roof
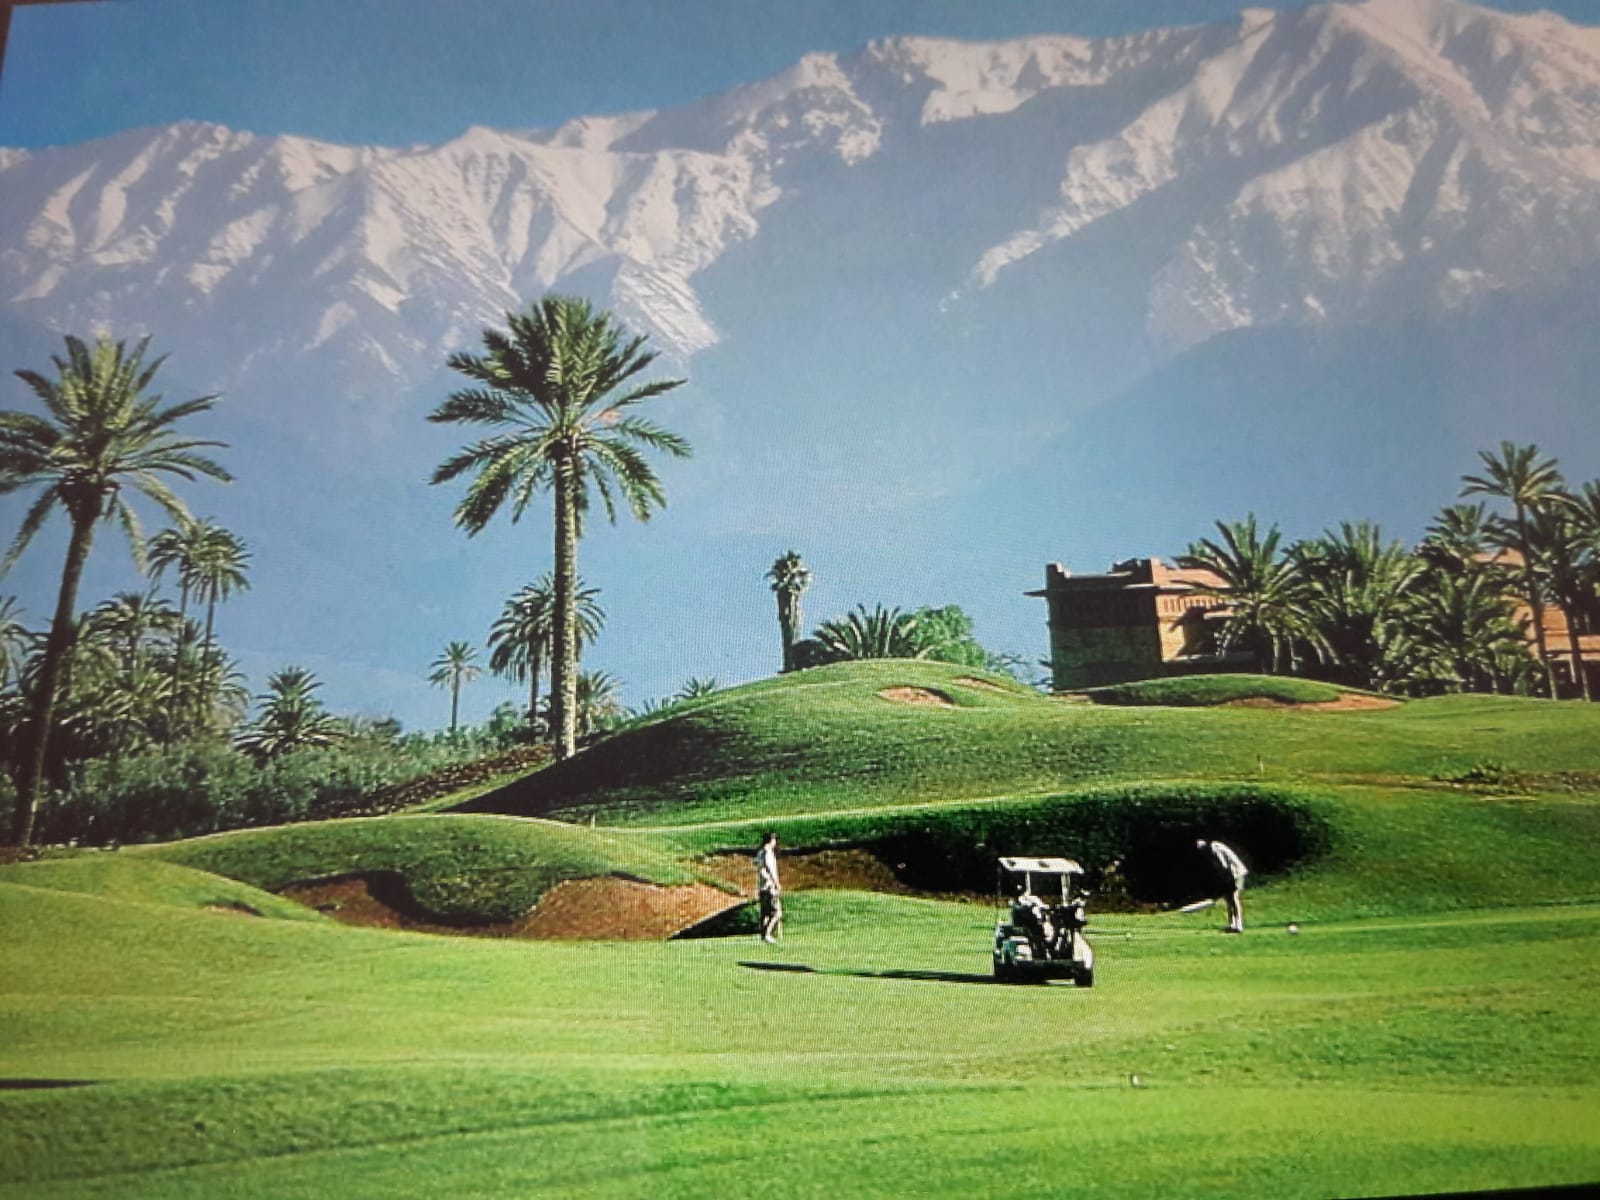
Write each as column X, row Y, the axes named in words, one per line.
column 1042, row 866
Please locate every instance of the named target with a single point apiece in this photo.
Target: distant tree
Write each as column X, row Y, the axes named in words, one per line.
column 558, row 386
column 880, row 633
column 1265, row 590
column 1556, row 540
column 219, row 572
column 1458, row 539
column 790, row 578
column 291, row 717
column 696, row 688
column 15, row 640
column 457, row 665
column 599, row 703
column 1458, row 628
column 1522, row 476
column 1357, row 586
column 102, row 439
column 521, row 639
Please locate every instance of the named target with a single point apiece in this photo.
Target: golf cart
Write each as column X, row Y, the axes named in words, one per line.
column 1039, row 933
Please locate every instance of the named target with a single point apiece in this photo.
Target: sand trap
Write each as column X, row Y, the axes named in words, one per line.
column 969, row 681
column 917, row 695
column 1348, row 702
column 604, row 908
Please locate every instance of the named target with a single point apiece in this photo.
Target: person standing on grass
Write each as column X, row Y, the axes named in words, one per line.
column 1230, row 871
column 768, row 890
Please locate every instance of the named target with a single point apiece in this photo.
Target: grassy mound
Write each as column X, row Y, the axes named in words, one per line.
column 127, row 878
column 1203, row 690
column 825, row 739
column 447, row 869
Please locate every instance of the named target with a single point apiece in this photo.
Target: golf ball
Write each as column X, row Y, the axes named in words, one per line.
column 1292, row 928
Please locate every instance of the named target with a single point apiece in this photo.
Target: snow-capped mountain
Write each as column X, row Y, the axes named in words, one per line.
column 997, row 303
column 1336, row 163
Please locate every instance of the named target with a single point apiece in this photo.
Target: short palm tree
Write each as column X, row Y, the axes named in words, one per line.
column 557, row 388
column 1555, row 536
column 102, row 439
column 1268, row 601
column 15, row 640
column 790, row 578
column 291, row 717
column 1356, row 588
column 880, row 633
column 520, row 640
column 1458, row 539
column 1525, row 478
column 457, row 665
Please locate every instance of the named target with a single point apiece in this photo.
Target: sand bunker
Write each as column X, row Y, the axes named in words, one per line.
column 917, row 695
column 1348, row 702
column 604, row 908
column 969, row 681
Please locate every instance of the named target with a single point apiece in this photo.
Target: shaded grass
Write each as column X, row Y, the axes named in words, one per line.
column 456, row 869
column 1201, row 690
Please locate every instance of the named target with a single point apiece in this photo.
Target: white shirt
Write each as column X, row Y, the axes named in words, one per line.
column 1229, row 862
column 767, row 869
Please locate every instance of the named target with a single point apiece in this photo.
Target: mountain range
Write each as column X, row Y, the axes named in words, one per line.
column 947, row 311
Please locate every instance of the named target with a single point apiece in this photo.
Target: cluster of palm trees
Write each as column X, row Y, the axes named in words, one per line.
column 100, row 439
column 557, row 392
column 1460, row 611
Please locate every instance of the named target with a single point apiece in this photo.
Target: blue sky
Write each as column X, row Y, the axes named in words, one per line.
column 399, row 72
column 403, row 72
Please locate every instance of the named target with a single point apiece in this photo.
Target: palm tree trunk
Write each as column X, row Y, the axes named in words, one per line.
column 455, row 699
column 535, row 668
column 205, row 661
column 1534, row 603
column 788, row 620
column 1579, row 671
column 177, row 662
column 57, row 648
column 564, row 665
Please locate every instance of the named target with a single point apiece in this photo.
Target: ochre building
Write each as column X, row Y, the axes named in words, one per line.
column 1140, row 620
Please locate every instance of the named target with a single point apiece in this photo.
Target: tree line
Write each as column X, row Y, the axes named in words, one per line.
column 1464, row 610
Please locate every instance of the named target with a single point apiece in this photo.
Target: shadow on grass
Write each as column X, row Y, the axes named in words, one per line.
column 923, row 976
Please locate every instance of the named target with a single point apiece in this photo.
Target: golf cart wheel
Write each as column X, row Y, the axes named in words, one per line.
column 1086, row 977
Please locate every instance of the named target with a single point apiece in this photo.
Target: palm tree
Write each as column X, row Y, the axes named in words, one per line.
column 457, row 665
column 132, row 617
column 881, row 633
column 520, row 639
column 1556, row 538
column 1265, row 590
column 1459, row 538
column 14, row 639
column 102, row 439
column 219, row 571
column 696, row 688
column 1356, row 588
column 557, row 387
column 599, row 702
column 291, row 717
column 790, row 578
column 209, row 562
column 1459, row 627
column 1521, row 476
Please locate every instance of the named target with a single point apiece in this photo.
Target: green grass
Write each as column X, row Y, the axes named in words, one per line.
column 270, row 1058
column 1202, row 690
column 455, row 869
column 1429, row 1029
column 825, row 740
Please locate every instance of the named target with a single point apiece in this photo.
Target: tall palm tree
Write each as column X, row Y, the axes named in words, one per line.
column 880, row 633
column 291, row 717
column 1556, row 539
column 1269, row 603
column 219, row 572
column 790, row 578
column 520, row 639
column 131, row 618
column 558, row 388
column 180, row 548
column 102, row 439
column 457, row 665
column 1519, row 474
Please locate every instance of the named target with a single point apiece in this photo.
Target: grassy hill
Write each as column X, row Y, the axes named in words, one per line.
column 175, row 1029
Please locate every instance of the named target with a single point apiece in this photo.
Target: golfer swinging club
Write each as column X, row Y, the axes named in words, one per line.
column 1230, row 871
column 768, row 889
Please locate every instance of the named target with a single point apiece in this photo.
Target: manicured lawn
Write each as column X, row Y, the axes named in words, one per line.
column 274, row 1058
